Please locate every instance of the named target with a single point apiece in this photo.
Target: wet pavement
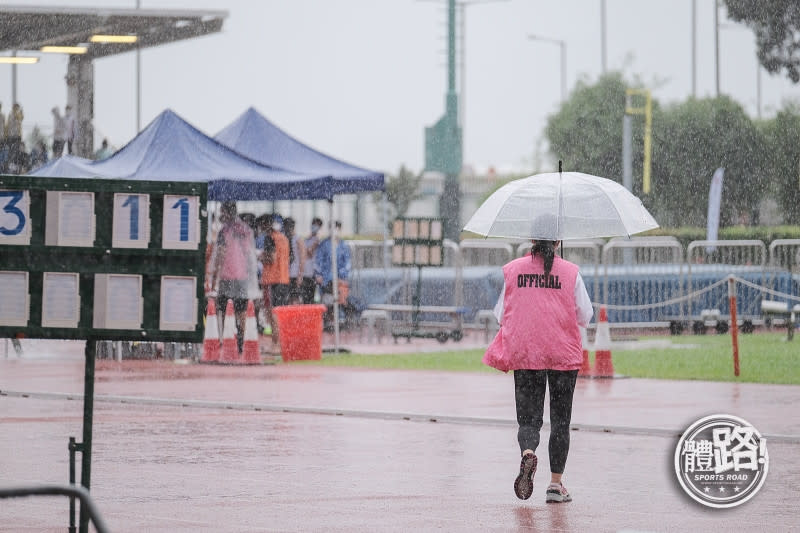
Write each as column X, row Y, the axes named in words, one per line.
column 297, row 447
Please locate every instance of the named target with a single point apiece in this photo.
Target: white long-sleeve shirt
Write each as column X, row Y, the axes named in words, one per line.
column 583, row 304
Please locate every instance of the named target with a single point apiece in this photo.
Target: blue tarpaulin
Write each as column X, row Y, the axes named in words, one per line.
column 171, row 149
column 255, row 137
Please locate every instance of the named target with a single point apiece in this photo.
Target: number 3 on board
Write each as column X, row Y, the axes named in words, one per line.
column 14, row 217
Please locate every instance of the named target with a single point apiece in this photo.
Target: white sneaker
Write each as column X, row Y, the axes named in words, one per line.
column 558, row 493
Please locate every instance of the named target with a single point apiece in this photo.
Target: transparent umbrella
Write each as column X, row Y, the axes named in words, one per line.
column 561, row 206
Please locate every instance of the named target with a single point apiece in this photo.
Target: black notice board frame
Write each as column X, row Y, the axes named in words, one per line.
column 151, row 262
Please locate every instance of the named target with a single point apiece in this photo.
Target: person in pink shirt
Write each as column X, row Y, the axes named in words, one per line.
column 234, row 265
column 540, row 310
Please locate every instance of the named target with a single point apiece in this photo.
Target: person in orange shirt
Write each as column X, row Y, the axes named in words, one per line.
column 275, row 275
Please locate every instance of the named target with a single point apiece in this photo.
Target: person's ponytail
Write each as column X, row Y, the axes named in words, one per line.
column 546, row 249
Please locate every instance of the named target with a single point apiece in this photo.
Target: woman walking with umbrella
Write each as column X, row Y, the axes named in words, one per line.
column 543, row 303
column 544, row 300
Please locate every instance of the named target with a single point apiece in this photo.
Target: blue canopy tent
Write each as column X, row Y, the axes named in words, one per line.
column 251, row 160
column 68, row 166
column 256, row 138
column 171, row 149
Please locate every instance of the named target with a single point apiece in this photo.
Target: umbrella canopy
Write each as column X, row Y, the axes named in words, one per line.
column 560, row 206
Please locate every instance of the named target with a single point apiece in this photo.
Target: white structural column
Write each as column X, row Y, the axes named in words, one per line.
column 80, row 95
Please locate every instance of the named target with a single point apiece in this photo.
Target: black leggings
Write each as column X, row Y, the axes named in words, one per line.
column 529, row 386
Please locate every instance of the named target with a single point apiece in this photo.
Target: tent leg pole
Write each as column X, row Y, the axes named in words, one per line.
column 385, row 202
column 335, row 271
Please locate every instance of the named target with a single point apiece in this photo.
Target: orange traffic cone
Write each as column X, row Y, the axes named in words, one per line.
column 211, row 336
column 586, row 368
column 230, row 350
column 603, row 367
column 251, row 349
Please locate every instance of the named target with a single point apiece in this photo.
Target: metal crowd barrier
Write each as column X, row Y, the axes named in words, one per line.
column 642, row 280
column 745, row 258
column 641, row 271
column 72, row 491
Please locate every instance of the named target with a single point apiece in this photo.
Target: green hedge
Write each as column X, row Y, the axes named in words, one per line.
column 685, row 235
column 766, row 234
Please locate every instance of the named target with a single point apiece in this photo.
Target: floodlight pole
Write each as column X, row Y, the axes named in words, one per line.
column 462, row 86
column 450, row 201
column 563, row 49
column 716, row 46
column 138, row 82
column 758, row 89
column 443, row 140
column 603, row 35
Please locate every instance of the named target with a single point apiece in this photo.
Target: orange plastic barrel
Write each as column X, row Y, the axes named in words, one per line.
column 300, row 331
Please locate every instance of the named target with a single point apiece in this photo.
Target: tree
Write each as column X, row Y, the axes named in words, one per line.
column 691, row 141
column 776, row 24
column 781, row 135
column 401, row 190
column 586, row 132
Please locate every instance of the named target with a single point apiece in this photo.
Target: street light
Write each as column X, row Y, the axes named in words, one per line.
column 694, row 48
column 462, row 6
column 716, row 46
column 563, row 46
column 603, row 53
column 138, row 82
column 758, row 67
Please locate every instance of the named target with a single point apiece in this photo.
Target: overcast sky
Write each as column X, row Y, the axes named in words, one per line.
column 361, row 79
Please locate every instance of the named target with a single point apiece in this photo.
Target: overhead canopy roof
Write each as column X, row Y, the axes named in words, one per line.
column 28, row 28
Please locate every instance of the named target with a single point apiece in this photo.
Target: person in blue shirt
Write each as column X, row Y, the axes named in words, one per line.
column 323, row 267
column 104, row 152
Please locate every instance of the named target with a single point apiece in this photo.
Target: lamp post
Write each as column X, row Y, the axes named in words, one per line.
column 716, row 46
column 138, row 82
column 694, row 48
column 462, row 6
column 603, row 53
column 758, row 69
column 758, row 89
column 563, row 46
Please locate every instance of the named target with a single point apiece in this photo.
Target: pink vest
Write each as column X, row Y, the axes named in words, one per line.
column 238, row 238
column 539, row 329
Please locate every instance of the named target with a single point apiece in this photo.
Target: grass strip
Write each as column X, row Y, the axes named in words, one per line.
column 763, row 358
